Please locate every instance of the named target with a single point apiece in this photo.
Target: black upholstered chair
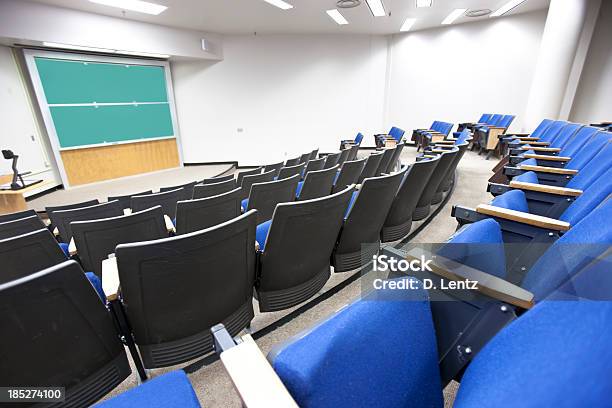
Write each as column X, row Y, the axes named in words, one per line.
column 317, row 184
column 423, row 206
column 245, row 173
column 198, row 214
column 213, row 189
column 289, row 171
column 126, row 200
column 20, row 226
column 167, row 200
column 369, row 170
column 218, row 179
column 348, row 174
column 248, row 181
column 62, row 219
column 265, row 196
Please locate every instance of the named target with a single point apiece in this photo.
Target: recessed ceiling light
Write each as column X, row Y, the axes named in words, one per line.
column 280, row 4
column 408, row 23
column 376, row 8
column 77, row 47
column 507, row 7
column 424, row 3
column 133, row 5
column 337, row 17
column 453, row 16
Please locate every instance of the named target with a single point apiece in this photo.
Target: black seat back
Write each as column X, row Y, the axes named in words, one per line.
column 248, row 181
column 394, row 158
column 343, row 156
column 360, row 236
column 318, row 183
column 385, row 160
column 399, row 218
column 354, row 149
column 97, row 239
column 87, row 203
column 424, row 204
column 447, row 180
column 289, row 171
column 304, row 158
column 276, row 167
column 314, row 165
column 187, row 189
column 62, row 219
column 20, row 226
column 369, row 170
column 28, row 253
column 126, row 200
column 175, row 289
column 198, row 214
column 58, row 333
column 296, row 261
column 349, row 174
column 331, row 160
column 17, row 215
column 241, row 175
column 292, row 162
column 213, row 189
column 218, row 179
column 265, row 196
column 314, row 154
column 167, row 200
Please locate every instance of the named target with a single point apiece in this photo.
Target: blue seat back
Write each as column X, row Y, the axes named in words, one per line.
column 544, row 124
column 578, row 141
column 494, row 119
column 556, row 355
column 506, row 121
column 593, row 282
column 578, row 247
column 445, row 127
column 565, row 135
column 593, row 169
column 464, row 135
column 397, row 133
column 375, row 352
column 484, row 118
column 358, row 138
column 435, row 125
column 590, row 149
column 552, row 131
column 597, row 191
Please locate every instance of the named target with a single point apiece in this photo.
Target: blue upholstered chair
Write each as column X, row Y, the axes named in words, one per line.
column 487, row 136
column 396, row 133
column 380, row 351
column 172, row 389
column 351, row 142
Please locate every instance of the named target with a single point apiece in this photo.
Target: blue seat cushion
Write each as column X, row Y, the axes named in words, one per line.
column 168, row 390
column 589, row 199
column 372, row 353
column 64, row 248
column 512, row 200
column 556, row 355
column 245, row 204
column 527, row 152
column 96, row 282
column 298, row 190
column 478, row 245
column 336, row 177
column 261, row 233
column 528, row 177
column 530, row 162
column 350, row 204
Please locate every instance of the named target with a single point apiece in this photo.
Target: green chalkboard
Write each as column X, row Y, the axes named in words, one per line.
column 94, row 102
column 110, row 123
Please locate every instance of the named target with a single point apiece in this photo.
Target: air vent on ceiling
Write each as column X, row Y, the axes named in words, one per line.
column 347, row 3
column 478, row 13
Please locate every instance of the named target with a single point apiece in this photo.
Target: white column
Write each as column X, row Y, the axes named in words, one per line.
column 560, row 40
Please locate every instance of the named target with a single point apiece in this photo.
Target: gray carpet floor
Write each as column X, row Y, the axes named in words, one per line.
column 212, row 384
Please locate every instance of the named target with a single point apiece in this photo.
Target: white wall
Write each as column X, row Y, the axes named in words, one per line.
column 289, row 94
column 18, row 130
column 593, row 101
column 456, row 73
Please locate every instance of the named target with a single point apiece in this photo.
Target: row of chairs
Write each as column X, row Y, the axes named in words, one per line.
column 173, row 289
column 541, row 256
column 487, row 132
column 438, row 131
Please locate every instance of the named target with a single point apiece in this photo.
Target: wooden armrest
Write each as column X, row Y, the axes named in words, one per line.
column 254, row 378
column 429, row 156
column 541, row 149
column 110, row 277
column 528, row 139
column 438, row 151
column 169, row 224
column 449, row 142
column 525, row 218
column 72, row 249
column 544, row 169
column 519, row 135
column 487, row 284
column 530, row 143
column 546, row 189
column 545, row 157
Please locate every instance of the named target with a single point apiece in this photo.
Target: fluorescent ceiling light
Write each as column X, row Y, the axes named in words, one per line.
column 337, row 17
column 133, row 5
column 453, row 16
column 506, row 8
column 376, row 8
column 408, row 23
column 77, row 47
column 280, row 4
column 424, row 3
column 104, row 50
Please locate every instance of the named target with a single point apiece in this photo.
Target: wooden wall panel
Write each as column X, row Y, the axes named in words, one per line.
column 92, row 164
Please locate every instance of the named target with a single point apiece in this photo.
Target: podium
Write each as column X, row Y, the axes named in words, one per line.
column 13, row 200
